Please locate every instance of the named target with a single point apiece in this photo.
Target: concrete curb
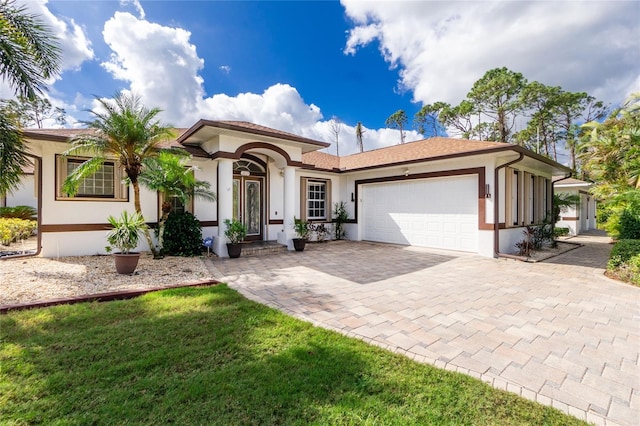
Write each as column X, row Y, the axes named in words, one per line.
column 101, row 297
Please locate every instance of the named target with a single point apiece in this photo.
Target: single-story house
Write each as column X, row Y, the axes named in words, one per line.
column 582, row 216
column 25, row 194
column 444, row 193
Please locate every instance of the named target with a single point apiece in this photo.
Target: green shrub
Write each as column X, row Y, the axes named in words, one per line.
column 182, row 235
column 19, row 212
column 560, row 232
column 629, row 225
column 12, row 229
column 622, row 251
column 629, row 271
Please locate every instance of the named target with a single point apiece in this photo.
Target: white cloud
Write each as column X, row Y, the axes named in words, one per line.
column 442, row 48
column 225, row 69
column 159, row 63
column 74, row 44
column 137, row 6
column 371, row 138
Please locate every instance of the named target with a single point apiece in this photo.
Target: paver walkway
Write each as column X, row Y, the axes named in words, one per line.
column 557, row 332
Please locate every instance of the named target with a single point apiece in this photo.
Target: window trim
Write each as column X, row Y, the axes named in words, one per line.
column 120, row 192
column 189, row 207
column 304, row 199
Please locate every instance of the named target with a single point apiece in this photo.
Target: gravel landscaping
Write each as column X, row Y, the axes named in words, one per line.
column 34, row 279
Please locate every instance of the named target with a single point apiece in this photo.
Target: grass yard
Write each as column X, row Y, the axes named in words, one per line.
column 210, row 356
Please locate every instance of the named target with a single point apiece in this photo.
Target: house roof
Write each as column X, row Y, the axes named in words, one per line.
column 190, row 136
column 431, row 149
column 63, row 135
column 321, row 160
column 570, row 182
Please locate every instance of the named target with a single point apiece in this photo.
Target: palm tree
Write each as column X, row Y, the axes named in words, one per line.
column 29, row 55
column 13, row 156
column 126, row 131
column 168, row 174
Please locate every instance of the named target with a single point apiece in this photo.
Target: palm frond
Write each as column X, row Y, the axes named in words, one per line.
column 72, row 182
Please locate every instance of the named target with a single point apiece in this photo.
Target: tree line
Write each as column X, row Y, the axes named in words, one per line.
column 503, row 106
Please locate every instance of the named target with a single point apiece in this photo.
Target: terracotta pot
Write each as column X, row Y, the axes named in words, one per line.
column 299, row 243
column 126, row 263
column 234, row 250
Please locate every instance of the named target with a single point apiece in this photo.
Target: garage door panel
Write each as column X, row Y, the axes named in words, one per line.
column 439, row 212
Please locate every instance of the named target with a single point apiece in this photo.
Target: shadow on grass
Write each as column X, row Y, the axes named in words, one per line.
column 209, row 356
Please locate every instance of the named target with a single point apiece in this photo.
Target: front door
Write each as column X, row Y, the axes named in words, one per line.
column 247, row 204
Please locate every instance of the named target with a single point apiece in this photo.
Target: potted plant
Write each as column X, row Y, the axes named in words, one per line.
column 302, row 230
column 124, row 236
column 235, row 233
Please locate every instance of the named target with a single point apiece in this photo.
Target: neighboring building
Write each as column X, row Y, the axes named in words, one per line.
column 26, row 193
column 441, row 192
column 581, row 217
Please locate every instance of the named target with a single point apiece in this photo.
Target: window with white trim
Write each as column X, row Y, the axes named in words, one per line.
column 104, row 184
column 316, row 200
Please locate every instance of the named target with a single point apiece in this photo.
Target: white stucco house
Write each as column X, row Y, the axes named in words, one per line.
column 443, row 193
column 26, row 192
column 581, row 217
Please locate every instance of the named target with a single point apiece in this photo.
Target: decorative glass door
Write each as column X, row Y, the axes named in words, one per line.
column 247, row 204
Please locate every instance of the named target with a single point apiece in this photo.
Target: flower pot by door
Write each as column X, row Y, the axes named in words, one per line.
column 299, row 243
column 234, row 250
column 126, row 263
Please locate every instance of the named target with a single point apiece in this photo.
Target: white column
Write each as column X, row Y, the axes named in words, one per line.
column 289, row 208
column 225, row 203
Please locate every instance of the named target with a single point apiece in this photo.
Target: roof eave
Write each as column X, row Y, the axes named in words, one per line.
column 229, row 126
column 515, row 148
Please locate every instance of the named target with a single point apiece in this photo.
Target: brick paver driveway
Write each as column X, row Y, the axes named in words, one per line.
column 557, row 332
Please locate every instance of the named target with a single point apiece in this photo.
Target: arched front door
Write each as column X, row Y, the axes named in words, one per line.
column 248, row 199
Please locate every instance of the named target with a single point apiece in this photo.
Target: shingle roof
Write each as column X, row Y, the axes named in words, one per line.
column 63, row 135
column 321, row 160
column 422, row 150
column 426, row 149
column 245, row 126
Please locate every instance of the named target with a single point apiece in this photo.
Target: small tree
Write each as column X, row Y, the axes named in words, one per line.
column 33, row 112
column 341, row 216
column 126, row 130
column 398, row 120
column 359, row 134
column 427, row 120
column 336, row 128
column 169, row 174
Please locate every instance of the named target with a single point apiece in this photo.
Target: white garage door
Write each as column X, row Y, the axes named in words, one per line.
column 437, row 212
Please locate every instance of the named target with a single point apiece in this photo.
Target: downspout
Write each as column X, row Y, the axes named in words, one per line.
column 496, row 210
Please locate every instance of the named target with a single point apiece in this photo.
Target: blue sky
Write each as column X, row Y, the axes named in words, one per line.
column 293, row 65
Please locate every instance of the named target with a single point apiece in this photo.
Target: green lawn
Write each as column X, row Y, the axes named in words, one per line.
column 210, row 356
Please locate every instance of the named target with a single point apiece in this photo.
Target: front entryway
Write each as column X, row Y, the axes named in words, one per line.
column 248, row 199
